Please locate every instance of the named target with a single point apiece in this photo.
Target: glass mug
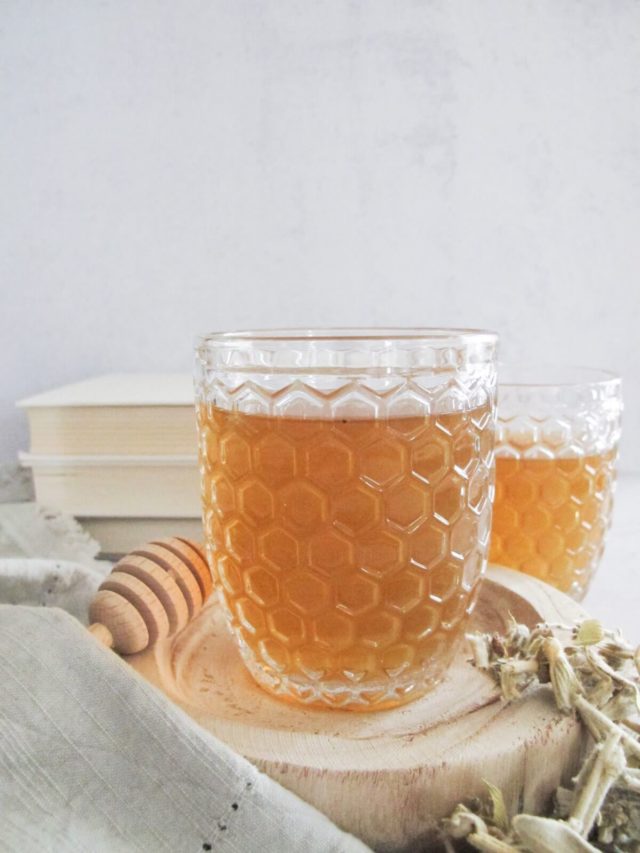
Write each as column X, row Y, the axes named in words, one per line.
column 346, row 487
column 556, row 449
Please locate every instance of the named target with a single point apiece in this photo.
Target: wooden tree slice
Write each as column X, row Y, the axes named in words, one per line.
column 387, row 776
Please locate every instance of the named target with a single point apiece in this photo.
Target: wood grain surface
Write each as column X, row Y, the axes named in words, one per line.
column 387, row 776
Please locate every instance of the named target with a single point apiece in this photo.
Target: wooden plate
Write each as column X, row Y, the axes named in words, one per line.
column 386, row 777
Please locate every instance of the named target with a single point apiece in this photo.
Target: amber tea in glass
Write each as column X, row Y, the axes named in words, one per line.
column 556, row 450
column 346, row 485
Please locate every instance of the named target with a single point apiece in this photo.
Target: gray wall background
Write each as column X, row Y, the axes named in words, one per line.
column 168, row 168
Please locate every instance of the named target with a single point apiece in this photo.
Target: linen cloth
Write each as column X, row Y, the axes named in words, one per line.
column 92, row 757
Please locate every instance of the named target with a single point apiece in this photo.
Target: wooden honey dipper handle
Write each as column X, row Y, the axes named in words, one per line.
column 102, row 633
column 151, row 593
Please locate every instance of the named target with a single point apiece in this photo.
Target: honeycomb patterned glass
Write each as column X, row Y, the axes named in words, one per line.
column 556, row 449
column 346, row 487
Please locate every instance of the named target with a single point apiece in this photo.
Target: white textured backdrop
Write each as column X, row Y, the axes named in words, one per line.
column 169, row 168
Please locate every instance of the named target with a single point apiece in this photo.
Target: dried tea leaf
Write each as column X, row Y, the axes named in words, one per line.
column 620, row 820
column 600, row 690
column 544, row 835
column 594, row 676
column 564, row 681
column 563, row 802
column 599, row 725
column 462, row 822
column 617, row 654
column 509, row 686
column 603, row 767
column 601, row 668
column 479, row 649
column 589, row 632
column 622, row 704
column 499, row 811
column 486, row 843
column 518, row 635
column 632, row 725
column 498, row 646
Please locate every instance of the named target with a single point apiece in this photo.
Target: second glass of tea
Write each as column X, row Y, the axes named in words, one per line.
column 346, row 487
column 556, row 448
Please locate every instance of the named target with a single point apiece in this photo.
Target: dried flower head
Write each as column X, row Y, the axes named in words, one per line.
column 595, row 675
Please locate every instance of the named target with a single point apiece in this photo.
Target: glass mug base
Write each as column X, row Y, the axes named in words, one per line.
column 376, row 695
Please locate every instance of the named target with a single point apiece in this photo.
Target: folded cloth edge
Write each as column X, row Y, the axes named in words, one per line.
column 94, row 757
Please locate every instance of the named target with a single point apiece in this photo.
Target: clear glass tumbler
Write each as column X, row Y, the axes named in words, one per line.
column 556, row 449
column 346, row 486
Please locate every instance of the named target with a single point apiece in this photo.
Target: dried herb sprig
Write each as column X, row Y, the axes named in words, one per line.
column 593, row 673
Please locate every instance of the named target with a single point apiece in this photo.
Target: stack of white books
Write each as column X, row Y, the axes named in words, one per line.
column 119, row 452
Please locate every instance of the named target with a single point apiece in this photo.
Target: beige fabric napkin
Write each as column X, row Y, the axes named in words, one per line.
column 92, row 758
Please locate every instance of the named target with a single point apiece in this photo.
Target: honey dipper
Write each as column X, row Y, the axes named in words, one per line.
column 151, row 593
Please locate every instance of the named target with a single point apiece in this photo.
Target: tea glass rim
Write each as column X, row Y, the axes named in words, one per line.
column 562, row 376
column 361, row 351
column 376, row 334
